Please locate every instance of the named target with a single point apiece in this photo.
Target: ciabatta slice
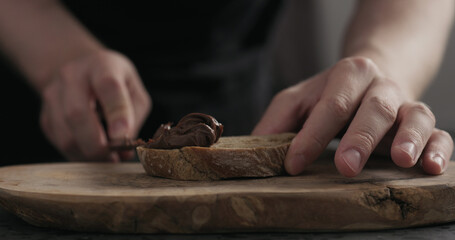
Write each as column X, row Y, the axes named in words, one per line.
column 230, row 157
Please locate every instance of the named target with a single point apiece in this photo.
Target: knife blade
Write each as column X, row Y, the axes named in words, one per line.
column 125, row 144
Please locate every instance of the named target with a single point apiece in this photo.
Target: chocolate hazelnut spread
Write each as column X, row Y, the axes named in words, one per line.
column 194, row 129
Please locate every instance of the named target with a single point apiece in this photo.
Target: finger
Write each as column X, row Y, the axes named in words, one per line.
column 141, row 103
column 54, row 126
column 140, row 98
column 287, row 111
column 82, row 119
column 384, row 146
column 109, row 85
column 416, row 124
column 126, row 155
column 282, row 115
column 437, row 153
column 374, row 118
column 345, row 87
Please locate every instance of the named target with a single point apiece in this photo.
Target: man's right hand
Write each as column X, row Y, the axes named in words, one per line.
column 70, row 117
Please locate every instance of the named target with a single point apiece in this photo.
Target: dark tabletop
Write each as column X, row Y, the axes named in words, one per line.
column 12, row 227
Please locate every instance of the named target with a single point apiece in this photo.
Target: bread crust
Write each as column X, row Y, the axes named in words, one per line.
column 230, row 157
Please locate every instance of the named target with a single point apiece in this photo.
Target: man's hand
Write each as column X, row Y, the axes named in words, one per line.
column 70, row 117
column 80, row 82
column 377, row 111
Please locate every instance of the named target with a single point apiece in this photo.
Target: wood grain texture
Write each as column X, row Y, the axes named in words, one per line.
column 121, row 198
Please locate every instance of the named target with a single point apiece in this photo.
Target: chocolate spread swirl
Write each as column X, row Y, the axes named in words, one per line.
column 194, row 129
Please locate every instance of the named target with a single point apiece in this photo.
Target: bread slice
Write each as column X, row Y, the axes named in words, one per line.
column 230, row 157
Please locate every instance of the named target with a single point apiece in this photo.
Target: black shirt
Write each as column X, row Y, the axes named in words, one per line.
column 193, row 56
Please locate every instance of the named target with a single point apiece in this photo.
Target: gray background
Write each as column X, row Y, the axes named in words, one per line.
column 331, row 19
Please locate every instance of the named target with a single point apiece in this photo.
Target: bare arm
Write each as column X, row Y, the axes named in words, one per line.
column 73, row 72
column 39, row 36
column 405, row 38
column 392, row 50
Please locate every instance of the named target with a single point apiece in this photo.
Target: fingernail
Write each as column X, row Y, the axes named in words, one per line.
column 297, row 164
column 438, row 160
column 353, row 159
column 118, row 129
column 410, row 149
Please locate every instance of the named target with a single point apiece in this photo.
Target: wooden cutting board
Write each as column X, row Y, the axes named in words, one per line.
column 122, row 198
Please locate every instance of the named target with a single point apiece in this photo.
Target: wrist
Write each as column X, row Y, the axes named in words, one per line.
column 54, row 68
column 389, row 69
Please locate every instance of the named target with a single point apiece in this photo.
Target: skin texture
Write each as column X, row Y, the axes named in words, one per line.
column 71, row 118
column 391, row 54
column 81, row 83
column 392, row 51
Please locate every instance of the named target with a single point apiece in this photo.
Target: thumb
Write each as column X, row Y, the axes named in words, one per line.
column 114, row 98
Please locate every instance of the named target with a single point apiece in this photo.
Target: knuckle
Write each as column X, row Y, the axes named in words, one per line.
column 384, row 107
column 104, row 55
column 388, row 85
column 340, row 105
column 285, row 94
column 425, row 110
column 416, row 136
column 442, row 141
column 366, row 139
column 118, row 111
column 442, row 133
column 290, row 97
column 108, row 82
column 108, row 57
column 318, row 143
column 74, row 115
column 358, row 63
column 107, row 54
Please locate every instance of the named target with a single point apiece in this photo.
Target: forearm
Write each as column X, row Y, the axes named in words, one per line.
column 39, row 36
column 405, row 38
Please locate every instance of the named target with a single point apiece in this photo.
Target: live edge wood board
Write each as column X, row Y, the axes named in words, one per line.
column 121, row 198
